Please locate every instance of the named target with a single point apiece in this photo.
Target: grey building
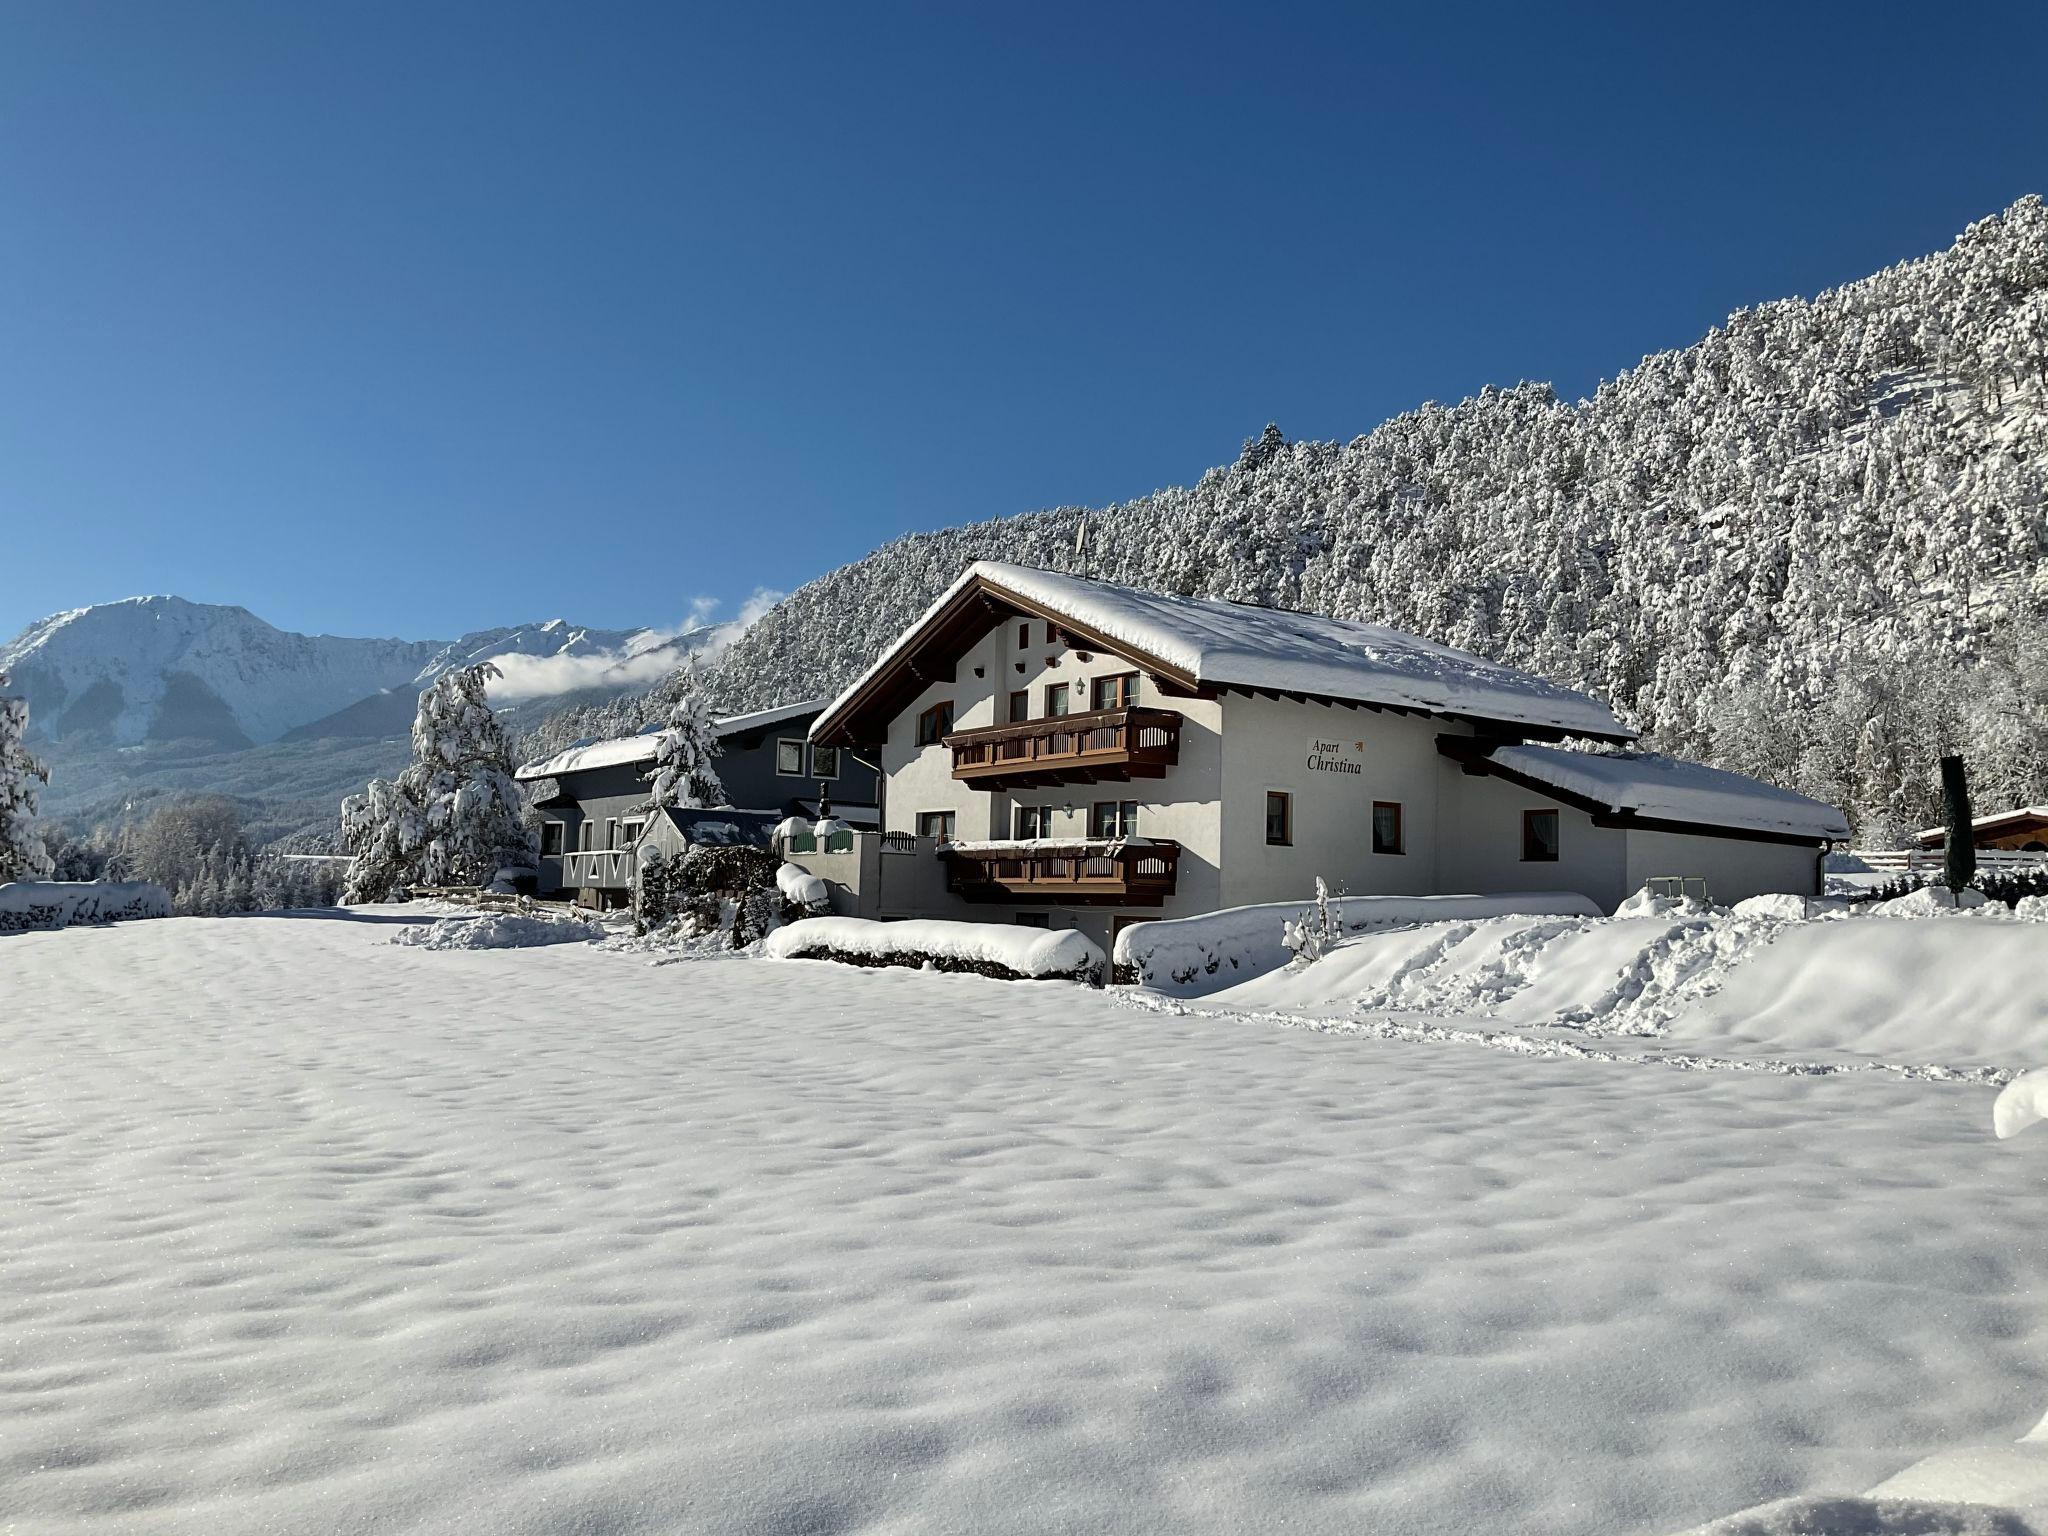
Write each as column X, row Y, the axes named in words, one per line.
column 595, row 812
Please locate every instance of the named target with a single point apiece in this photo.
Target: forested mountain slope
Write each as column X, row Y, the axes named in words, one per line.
column 1809, row 547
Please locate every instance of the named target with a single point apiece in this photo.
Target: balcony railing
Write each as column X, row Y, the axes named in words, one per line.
column 598, row 869
column 1068, row 749
column 1139, row 872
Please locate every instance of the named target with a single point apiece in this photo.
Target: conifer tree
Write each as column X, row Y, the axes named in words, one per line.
column 683, row 775
column 455, row 816
column 23, row 855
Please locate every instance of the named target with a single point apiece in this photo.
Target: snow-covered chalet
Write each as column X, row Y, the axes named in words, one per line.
column 596, row 812
column 1069, row 753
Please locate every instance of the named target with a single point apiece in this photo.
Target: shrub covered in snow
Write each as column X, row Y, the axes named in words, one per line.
column 26, row 904
column 1215, row 949
column 804, row 889
column 985, row 949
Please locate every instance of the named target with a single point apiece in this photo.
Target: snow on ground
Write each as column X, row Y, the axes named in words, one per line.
column 308, row 1231
column 1958, row 990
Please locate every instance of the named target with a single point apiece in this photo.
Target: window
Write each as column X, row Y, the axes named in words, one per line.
column 1034, row 919
column 1055, row 699
column 611, row 832
column 1020, row 706
column 1052, row 635
column 1386, row 827
column 1024, row 636
column 936, row 723
column 938, row 824
column 1034, row 821
column 1539, row 837
column 824, row 762
column 1118, row 692
column 629, row 833
column 789, row 757
column 1279, row 818
column 1113, row 818
column 550, row 838
column 583, row 835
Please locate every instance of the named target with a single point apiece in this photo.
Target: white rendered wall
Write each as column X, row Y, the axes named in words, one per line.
column 1269, row 745
column 1481, row 850
column 1735, row 868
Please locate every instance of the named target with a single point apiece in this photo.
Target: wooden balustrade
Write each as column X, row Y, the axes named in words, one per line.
column 1138, row 873
column 1104, row 744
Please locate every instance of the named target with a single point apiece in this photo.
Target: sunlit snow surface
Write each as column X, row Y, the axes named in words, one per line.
column 306, row 1231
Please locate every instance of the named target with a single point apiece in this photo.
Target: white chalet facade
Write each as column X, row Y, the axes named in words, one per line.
column 1071, row 753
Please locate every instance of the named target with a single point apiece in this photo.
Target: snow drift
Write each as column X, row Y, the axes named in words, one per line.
column 1190, row 955
column 26, row 904
column 990, row 949
column 500, row 930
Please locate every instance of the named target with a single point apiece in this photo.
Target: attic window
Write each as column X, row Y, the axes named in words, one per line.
column 935, row 723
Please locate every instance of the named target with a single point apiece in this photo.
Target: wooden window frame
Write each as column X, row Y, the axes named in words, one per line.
column 1066, row 695
column 1286, row 837
column 1024, row 636
column 940, row 718
column 1116, row 810
column 1042, row 812
column 1020, row 696
column 1400, row 827
column 924, row 817
column 789, row 741
column 1127, row 692
column 1530, row 842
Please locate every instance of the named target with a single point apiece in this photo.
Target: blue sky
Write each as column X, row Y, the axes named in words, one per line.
column 412, row 319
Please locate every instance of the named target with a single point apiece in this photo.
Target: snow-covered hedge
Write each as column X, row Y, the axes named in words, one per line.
column 26, row 904
column 500, row 930
column 1216, row 949
column 987, row 949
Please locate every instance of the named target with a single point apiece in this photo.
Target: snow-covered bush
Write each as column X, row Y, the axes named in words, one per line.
column 984, row 949
column 454, row 816
column 733, row 889
column 22, row 853
column 654, row 890
column 31, row 904
column 804, row 889
column 1310, row 936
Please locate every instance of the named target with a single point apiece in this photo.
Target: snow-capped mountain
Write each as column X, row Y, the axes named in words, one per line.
column 160, row 669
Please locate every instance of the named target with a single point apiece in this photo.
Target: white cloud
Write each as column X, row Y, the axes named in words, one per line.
column 644, row 661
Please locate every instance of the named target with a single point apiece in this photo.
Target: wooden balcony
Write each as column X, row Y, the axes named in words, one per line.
column 1068, row 749
column 1094, row 872
column 598, row 869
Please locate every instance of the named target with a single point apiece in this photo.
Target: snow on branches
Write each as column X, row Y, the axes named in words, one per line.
column 23, row 855
column 454, row 817
column 683, row 776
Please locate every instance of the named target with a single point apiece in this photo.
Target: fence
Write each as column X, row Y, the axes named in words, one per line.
column 1928, row 861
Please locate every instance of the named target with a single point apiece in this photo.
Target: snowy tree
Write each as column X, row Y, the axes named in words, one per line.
column 683, row 775
column 23, row 855
column 454, row 816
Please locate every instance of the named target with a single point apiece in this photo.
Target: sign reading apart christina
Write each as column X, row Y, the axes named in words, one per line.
column 1344, row 757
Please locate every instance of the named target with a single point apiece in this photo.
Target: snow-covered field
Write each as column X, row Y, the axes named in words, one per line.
column 307, row 1231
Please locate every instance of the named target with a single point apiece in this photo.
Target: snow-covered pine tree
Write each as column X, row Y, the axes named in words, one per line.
column 454, row 817
column 23, row 855
column 683, row 775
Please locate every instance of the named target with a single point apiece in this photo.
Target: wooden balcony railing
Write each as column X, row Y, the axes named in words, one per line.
column 598, row 868
column 1069, row 749
column 1138, row 873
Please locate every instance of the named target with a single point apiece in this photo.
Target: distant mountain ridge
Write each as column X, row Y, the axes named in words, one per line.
column 163, row 669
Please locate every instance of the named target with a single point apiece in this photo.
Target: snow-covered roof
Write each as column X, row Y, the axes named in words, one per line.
column 639, row 747
column 2000, row 821
column 1202, row 641
column 1666, row 789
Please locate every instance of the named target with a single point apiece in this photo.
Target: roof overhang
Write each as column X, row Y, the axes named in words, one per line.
column 930, row 650
column 1472, row 756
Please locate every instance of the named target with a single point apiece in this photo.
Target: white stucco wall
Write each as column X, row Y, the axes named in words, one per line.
column 1734, row 868
column 1268, row 745
column 1481, row 850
